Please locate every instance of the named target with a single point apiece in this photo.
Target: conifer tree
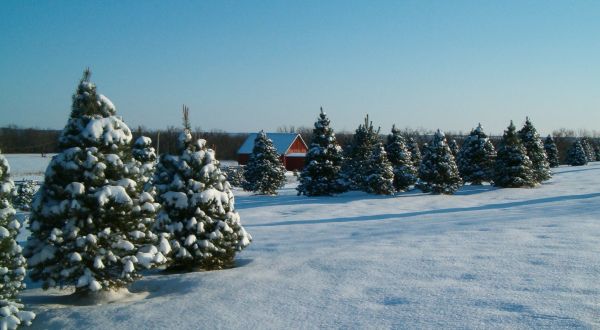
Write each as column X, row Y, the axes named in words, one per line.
column 12, row 262
column 551, row 151
column 589, row 150
column 24, row 195
column 438, row 172
column 415, row 153
column 321, row 174
column 513, row 169
column 85, row 228
column 576, row 155
column 597, row 151
column 380, row 178
column 476, row 158
column 197, row 207
column 358, row 155
column 264, row 173
column 405, row 173
column 454, row 147
column 535, row 151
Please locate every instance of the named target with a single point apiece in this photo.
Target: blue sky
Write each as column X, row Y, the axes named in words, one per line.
column 242, row 66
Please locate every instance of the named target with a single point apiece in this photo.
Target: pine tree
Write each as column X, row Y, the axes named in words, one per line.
column 454, row 147
column 197, row 207
column 405, row 173
column 264, row 172
column 476, row 158
column 535, row 151
column 358, row 155
column 576, row 155
column 24, row 195
column 438, row 172
column 415, row 153
column 589, row 150
column 551, row 151
column 597, row 151
column 321, row 174
column 85, row 230
column 12, row 262
column 513, row 169
column 380, row 178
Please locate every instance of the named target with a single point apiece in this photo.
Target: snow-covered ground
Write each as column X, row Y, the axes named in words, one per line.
column 483, row 258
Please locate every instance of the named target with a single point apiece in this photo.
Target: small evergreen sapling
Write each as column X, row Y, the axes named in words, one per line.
column 438, row 172
column 24, row 195
column 322, row 170
column 405, row 173
column 576, row 155
column 513, row 169
column 264, row 173
column 476, row 158
column 380, row 178
column 551, row 151
column 535, row 151
column 12, row 262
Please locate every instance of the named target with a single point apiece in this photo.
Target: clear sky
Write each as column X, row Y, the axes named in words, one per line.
column 242, row 66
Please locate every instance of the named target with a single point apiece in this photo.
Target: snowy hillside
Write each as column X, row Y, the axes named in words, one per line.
column 483, row 258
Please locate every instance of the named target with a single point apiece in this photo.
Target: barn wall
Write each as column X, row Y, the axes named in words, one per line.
column 297, row 146
column 243, row 159
column 294, row 163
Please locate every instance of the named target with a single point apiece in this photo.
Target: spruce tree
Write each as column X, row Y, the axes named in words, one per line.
column 513, row 169
column 264, row 173
column 454, row 147
column 551, row 151
column 415, row 154
column 476, row 158
column 597, row 151
column 197, row 207
column 358, row 155
column 85, row 228
column 589, row 150
column 12, row 262
column 24, row 195
column 535, row 151
column 321, row 173
column 380, row 178
column 405, row 173
column 438, row 172
column 576, row 155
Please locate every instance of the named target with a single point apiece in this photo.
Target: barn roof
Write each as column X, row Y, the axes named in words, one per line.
column 281, row 142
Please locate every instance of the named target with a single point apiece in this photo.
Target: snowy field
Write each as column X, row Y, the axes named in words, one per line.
column 483, row 258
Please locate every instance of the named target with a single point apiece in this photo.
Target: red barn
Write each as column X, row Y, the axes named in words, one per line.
column 290, row 147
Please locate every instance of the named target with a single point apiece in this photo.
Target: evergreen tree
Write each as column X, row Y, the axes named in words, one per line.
column 380, row 178
column 535, row 151
column 264, row 172
column 438, row 172
column 513, row 169
column 355, row 169
column 321, row 173
column 454, row 147
column 197, row 213
column 476, row 158
column 576, row 155
column 24, row 195
column 405, row 173
column 415, row 153
column 12, row 262
column 589, row 150
column 85, row 230
column 597, row 151
column 551, row 151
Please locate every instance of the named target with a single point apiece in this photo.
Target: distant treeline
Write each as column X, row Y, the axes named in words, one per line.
column 14, row 139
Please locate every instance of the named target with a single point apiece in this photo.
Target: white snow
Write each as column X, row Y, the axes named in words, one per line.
column 113, row 193
column 483, row 258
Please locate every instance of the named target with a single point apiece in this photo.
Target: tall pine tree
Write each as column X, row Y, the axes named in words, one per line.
column 358, row 155
column 264, row 173
column 197, row 214
column 12, row 262
column 85, row 228
column 438, row 172
column 415, row 153
column 321, row 173
column 551, row 151
column 576, row 155
column 535, row 151
column 513, row 169
column 405, row 173
column 476, row 158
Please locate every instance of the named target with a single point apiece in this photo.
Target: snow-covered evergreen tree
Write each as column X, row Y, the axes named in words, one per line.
column 415, row 152
column 322, row 170
column 476, row 158
column 576, row 155
column 535, row 151
column 438, row 172
column 405, row 173
column 453, row 145
column 85, row 228
column 551, row 151
column 264, row 173
column 597, row 150
column 512, row 169
column 358, row 154
column 589, row 150
column 24, row 195
column 144, row 163
column 380, row 178
column 12, row 262
column 197, row 213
